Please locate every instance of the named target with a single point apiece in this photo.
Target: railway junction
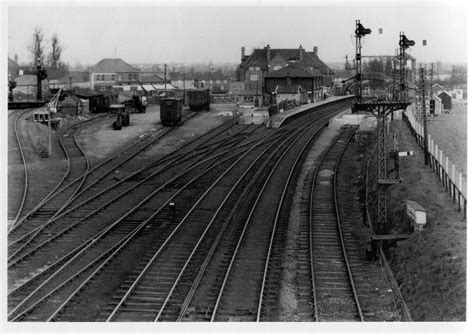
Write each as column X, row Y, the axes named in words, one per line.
column 213, row 211
column 208, row 215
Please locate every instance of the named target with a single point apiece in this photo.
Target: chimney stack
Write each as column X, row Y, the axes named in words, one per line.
column 268, row 53
column 242, row 53
column 315, row 50
column 301, row 52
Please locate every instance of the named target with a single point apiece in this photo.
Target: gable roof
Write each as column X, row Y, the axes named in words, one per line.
column 74, row 76
column 113, row 65
column 12, row 63
column 26, row 80
column 148, row 77
column 54, row 72
column 259, row 56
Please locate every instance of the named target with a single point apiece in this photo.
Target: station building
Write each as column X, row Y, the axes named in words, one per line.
column 254, row 68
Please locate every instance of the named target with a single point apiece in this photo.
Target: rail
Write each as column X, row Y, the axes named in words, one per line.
column 440, row 167
column 383, row 259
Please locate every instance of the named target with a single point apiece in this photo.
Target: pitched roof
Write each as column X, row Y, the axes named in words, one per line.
column 150, row 78
column 75, row 76
column 54, row 72
column 113, row 65
column 292, row 71
column 259, row 56
column 26, row 80
column 11, row 63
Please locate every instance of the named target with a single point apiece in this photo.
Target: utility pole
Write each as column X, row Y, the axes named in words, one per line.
column 184, row 88
column 256, row 93
column 165, row 77
column 38, row 79
column 423, row 111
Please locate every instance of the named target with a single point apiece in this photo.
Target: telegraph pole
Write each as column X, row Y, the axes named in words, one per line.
column 423, row 111
column 38, row 79
column 165, row 78
column 184, row 88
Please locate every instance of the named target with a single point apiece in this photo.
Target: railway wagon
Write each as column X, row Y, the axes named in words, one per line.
column 171, row 111
column 199, row 99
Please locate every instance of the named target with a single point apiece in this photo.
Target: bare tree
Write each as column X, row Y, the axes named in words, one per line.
column 36, row 48
column 55, row 54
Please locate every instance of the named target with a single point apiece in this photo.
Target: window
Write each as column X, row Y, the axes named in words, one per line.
column 254, row 77
column 120, row 77
column 97, row 77
column 251, row 68
column 103, row 77
column 257, row 68
column 129, row 77
column 113, row 77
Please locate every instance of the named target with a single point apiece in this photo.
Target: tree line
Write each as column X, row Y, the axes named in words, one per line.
column 38, row 50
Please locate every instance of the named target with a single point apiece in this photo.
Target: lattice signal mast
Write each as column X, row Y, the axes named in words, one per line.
column 381, row 110
column 359, row 33
column 404, row 44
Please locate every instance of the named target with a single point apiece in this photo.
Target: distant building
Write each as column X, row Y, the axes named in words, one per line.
column 446, row 100
column 116, row 74
column 13, row 69
column 289, row 82
column 217, row 82
column 112, row 71
column 437, row 88
column 74, row 79
column 26, row 87
column 258, row 65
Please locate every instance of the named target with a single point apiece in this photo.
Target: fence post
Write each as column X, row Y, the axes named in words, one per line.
column 446, row 172
column 436, row 160
column 453, row 171
column 460, row 191
column 440, row 168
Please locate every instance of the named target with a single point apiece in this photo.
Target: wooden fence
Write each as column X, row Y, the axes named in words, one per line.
column 439, row 162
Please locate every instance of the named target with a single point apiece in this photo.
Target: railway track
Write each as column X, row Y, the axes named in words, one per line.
column 73, row 185
column 334, row 294
column 109, row 202
column 72, row 151
column 212, row 191
column 141, row 302
column 127, row 226
column 19, row 159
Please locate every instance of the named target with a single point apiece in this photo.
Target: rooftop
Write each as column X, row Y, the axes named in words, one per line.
column 113, row 65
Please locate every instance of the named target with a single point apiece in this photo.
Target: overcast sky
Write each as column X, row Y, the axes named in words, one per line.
column 158, row 34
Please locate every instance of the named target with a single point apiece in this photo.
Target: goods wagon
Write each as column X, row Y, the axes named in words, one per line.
column 199, row 99
column 171, row 111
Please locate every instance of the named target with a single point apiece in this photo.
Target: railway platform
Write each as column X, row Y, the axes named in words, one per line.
column 287, row 116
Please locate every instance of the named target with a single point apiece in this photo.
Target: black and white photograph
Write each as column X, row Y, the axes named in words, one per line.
column 213, row 166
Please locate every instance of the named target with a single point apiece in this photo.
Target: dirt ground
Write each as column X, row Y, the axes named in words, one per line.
column 100, row 140
column 43, row 172
column 288, row 295
column 431, row 265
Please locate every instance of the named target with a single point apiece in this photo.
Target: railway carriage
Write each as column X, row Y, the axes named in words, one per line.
column 199, row 99
column 171, row 111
